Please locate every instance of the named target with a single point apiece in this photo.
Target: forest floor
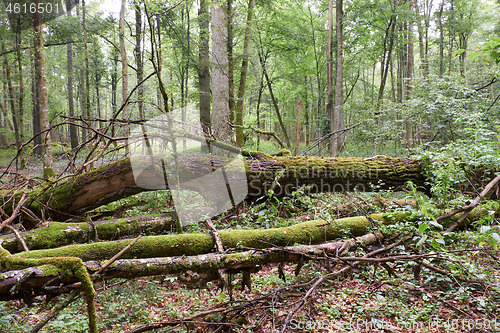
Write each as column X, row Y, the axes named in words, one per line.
column 368, row 299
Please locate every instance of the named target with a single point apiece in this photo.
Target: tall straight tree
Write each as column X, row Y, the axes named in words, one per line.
column 243, row 77
column 123, row 54
column 329, row 75
column 409, row 78
column 42, row 99
column 338, row 112
column 220, row 81
column 204, row 66
column 86, row 70
column 138, row 58
column 73, row 133
column 386, row 55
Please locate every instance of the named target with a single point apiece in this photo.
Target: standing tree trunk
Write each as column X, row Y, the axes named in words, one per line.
column 12, row 100
column 37, row 140
column 243, row 77
column 86, row 55
column 275, row 103
column 409, row 80
column 20, row 111
column 316, row 60
column 441, row 39
column 386, row 58
column 123, row 55
column 230, row 58
column 329, row 74
column 42, row 100
column 452, row 35
column 338, row 112
column 97, row 80
column 204, row 67
column 220, row 79
column 73, row 133
column 138, row 59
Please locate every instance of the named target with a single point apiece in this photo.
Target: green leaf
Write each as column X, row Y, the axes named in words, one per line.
column 422, row 240
column 422, row 227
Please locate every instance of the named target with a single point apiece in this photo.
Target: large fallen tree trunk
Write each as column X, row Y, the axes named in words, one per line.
column 282, row 174
column 36, row 280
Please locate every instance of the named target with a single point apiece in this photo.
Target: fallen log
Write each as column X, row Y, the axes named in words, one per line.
column 310, row 232
column 282, row 174
column 57, row 234
column 41, row 280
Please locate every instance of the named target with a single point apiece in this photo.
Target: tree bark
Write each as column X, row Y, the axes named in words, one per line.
column 42, row 99
column 73, row 133
column 204, row 67
column 138, row 59
column 220, row 77
column 243, row 77
column 338, row 112
column 123, row 55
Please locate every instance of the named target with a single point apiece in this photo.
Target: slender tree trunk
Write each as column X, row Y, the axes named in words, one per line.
column 243, row 76
column 20, row 111
column 261, row 88
column 114, row 83
column 204, row 67
column 97, row 81
column 275, row 103
column 452, row 35
column 386, row 58
column 329, row 74
column 123, row 56
column 220, row 66
column 441, row 39
column 37, row 141
column 188, row 55
column 339, row 79
column 230, row 59
column 297, row 129
column 409, row 79
column 86, row 55
column 73, row 133
column 42, row 99
column 159, row 65
column 138, row 59
column 316, row 60
column 12, row 101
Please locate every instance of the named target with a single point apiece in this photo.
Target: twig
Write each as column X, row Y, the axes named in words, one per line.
column 116, row 256
column 15, row 212
column 19, row 238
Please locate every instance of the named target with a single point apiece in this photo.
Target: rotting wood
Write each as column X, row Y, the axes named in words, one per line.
column 39, row 281
column 109, row 183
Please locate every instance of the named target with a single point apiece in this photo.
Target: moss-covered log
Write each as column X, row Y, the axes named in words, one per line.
column 57, row 234
column 310, row 232
column 37, row 280
column 282, row 174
